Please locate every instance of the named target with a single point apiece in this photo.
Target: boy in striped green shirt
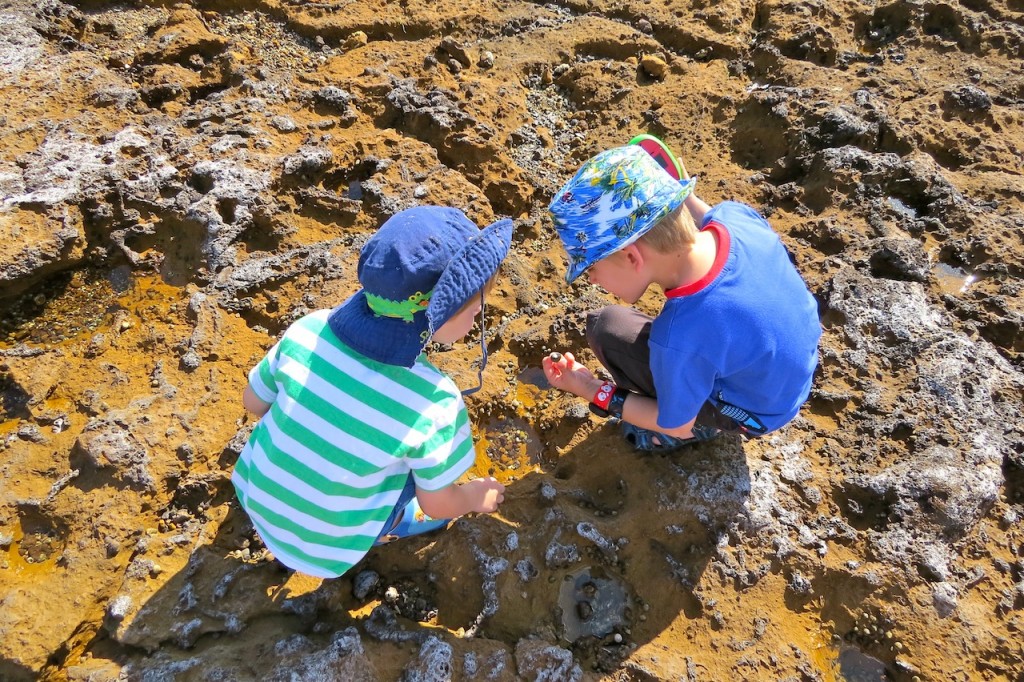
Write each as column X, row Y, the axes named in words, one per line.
column 361, row 439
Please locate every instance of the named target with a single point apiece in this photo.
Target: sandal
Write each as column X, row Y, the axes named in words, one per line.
column 412, row 522
column 646, row 440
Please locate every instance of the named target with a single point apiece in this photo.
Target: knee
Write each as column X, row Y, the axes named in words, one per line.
column 597, row 326
column 603, row 319
column 614, row 322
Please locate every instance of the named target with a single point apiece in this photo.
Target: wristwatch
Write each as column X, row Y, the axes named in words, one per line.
column 608, row 400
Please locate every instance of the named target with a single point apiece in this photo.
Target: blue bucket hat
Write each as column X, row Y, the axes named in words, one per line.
column 416, row 271
column 611, row 202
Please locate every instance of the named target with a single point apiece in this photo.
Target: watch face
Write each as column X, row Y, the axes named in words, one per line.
column 617, row 402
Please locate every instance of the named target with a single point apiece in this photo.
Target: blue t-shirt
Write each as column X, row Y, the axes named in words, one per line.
column 747, row 334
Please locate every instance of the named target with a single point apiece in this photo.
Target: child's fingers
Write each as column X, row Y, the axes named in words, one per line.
column 556, row 359
column 551, row 370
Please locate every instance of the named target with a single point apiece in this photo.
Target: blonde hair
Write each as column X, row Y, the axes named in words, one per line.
column 672, row 232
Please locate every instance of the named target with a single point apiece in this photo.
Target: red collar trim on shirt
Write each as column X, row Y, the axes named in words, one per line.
column 721, row 256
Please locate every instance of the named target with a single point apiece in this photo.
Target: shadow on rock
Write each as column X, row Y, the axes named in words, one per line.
column 576, row 571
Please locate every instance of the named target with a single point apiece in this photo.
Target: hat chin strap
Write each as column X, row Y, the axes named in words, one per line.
column 483, row 348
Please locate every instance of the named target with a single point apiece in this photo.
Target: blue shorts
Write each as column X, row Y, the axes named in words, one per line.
column 407, row 495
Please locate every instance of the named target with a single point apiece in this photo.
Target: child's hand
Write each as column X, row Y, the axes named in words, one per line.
column 565, row 374
column 484, row 494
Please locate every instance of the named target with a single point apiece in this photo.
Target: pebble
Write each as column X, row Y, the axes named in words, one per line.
column 356, row 39
column 654, row 66
column 364, row 583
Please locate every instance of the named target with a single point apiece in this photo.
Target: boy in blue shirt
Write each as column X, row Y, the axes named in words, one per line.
column 734, row 347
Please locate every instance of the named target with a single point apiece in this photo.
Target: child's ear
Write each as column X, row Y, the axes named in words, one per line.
column 633, row 255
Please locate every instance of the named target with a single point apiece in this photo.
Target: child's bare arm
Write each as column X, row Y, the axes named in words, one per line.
column 566, row 374
column 252, row 403
column 697, row 208
column 480, row 495
column 642, row 411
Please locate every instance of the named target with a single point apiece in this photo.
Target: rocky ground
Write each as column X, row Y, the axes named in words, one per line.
column 180, row 181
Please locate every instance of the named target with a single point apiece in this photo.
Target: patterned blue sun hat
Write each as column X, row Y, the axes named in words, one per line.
column 611, row 202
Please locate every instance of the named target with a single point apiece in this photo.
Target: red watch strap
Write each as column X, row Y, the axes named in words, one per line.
column 604, row 395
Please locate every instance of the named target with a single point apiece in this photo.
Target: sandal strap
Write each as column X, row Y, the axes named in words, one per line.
column 644, row 439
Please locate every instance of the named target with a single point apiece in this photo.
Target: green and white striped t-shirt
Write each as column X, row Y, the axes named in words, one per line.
column 324, row 467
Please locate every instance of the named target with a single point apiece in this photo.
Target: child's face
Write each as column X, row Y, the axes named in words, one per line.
column 459, row 324
column 617, row 274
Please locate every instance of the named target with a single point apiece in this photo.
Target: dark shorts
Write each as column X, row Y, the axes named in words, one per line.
column 619, row 337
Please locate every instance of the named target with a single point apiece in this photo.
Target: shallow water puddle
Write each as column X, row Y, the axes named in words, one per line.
column 856, row 666
column 68, row 308
column 952, row 280
column 592, row 605
column 902, row 208
column 21, row 558
column 534, row 376
column 532, row 388
column 59, row 310
column 507, row 448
